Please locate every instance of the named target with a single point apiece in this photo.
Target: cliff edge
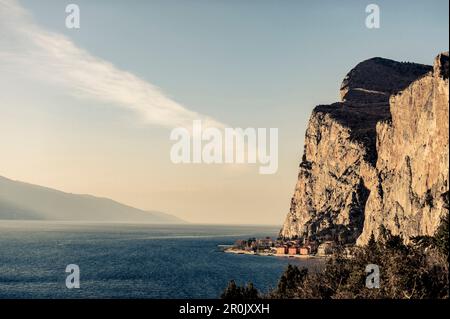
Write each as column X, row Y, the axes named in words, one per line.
column 377, row 157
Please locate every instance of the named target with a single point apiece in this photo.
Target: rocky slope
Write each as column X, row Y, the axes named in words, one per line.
column 378, row 157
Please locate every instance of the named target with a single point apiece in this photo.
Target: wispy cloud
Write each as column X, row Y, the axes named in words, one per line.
column 29, row 49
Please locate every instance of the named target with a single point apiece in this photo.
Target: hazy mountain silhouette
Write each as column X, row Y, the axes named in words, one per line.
column 20, row 200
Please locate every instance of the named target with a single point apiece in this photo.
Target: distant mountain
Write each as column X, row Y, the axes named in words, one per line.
column 20, row 200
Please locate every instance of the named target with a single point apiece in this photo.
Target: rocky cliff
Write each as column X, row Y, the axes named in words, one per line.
column 378, row 157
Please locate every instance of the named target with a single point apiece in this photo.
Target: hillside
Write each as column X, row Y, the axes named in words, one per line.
column 20, row 200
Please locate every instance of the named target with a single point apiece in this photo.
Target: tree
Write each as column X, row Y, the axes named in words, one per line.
column 419, row 270
column 235, row 292
column 439, row 241
column 232, row 292
column 406, row 271
column 289, row 282
column 250, row 292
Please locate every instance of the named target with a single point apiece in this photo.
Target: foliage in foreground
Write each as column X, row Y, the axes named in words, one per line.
column 235, row 292
column 415, row 271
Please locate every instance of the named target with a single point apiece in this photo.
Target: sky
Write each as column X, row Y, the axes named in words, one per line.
column 90, row 110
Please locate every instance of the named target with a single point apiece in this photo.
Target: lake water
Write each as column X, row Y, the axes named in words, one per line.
column 130, row 261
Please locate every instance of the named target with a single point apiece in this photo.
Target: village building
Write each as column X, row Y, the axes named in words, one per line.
column 325, row 248
column 306, row 250
column 240, row 244
column 281, row 250
column 293, row 250
column 303, row 247
column 265, row 243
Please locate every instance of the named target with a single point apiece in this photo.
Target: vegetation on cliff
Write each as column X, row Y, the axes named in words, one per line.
column 418, row 270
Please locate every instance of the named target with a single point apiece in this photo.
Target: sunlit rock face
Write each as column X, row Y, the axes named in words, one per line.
column 349, row 183
column 413, row 159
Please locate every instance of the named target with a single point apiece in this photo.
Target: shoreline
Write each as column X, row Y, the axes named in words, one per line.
column 252, row 253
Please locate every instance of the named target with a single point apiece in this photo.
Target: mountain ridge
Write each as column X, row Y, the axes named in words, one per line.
column 22, row 200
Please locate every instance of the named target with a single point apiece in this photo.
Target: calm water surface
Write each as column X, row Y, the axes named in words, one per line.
column 130, row 261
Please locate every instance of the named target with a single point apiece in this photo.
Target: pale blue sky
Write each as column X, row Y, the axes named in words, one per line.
column 236, row 60
column 245, row 63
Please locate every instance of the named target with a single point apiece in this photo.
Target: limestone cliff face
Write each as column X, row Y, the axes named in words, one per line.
column 413, row 159
column 347, row 183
